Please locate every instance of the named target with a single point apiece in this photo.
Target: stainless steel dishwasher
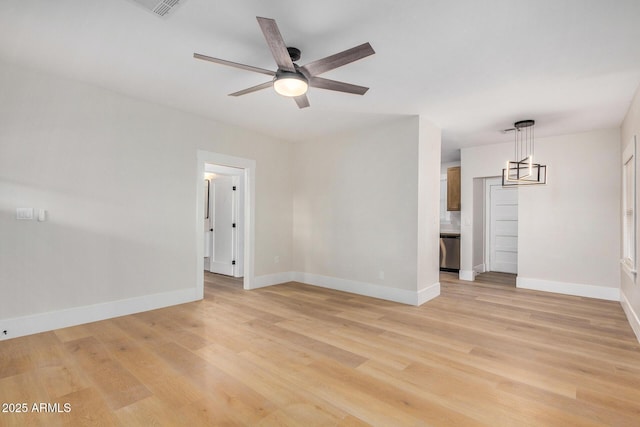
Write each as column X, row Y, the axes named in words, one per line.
column 449, row 252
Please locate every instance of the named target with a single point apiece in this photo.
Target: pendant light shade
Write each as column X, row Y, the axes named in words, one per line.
column 523, row 170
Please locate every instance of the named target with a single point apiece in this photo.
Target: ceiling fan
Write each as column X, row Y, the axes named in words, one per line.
column 291, row 80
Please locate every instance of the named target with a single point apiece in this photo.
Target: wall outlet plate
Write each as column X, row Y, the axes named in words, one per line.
column 24, row 213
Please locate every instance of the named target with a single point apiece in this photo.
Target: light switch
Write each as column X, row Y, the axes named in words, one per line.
column 42, row 215
column 24, row 213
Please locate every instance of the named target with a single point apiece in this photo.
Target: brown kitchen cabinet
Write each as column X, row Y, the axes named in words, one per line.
column 453, row 188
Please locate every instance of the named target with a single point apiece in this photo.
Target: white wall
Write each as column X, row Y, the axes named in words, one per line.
column 356, row 209
column 630, row 287
column 117, row 178
column 429, row 146
column 568, row 229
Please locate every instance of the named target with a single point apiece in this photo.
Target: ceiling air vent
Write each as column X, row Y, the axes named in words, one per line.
column 159, row 7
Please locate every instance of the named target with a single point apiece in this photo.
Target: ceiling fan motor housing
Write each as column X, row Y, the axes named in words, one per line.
column 294, row 53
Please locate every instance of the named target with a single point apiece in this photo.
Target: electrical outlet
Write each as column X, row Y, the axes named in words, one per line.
column 381, row 275
column 276, row 259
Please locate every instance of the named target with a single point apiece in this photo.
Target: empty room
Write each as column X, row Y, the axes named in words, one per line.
column 344, row 213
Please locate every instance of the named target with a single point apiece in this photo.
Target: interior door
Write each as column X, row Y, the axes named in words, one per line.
column 503, row 228
column 208, row 235
column 222, row 213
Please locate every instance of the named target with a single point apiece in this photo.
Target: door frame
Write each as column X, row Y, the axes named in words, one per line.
column 249, row 167
column 487, row 220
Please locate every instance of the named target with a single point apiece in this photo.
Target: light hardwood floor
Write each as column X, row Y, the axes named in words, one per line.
column 497, row 278
column 480, row 354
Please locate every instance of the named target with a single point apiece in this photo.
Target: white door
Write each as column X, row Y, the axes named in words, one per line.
column 503, row 227
column 223, row 225
column 208, row 235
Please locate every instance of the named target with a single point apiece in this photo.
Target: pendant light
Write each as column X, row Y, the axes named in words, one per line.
column 523, row 171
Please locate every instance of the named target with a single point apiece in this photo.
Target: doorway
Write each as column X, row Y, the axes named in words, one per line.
column 224, row 220
column 246, row 180
column 501, row 222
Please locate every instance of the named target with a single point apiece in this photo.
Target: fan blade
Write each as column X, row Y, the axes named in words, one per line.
column 302, row 101
column 234, row 64
column 252, row 89
column 338, row 60
column 321, row 83
column 276, row 44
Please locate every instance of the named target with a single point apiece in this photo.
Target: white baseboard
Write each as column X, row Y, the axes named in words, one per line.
column 370, row 290
column 272, row 279
column 632, row 316
column 43, row 322
column 577, row 289
column 351, row 286
column 468, row 275
column 428, row 293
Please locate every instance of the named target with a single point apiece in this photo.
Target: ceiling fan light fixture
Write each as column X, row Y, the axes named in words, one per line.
column 290, row 80
column 290, row 84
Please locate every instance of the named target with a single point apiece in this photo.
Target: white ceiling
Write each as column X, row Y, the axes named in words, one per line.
column 472, row 67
